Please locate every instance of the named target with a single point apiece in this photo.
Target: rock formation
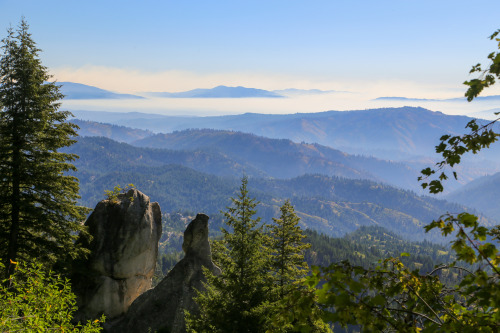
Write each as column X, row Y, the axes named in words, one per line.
column 125, row 232
column 162, row 308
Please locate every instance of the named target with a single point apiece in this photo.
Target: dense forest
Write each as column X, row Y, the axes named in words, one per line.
column 365, row 246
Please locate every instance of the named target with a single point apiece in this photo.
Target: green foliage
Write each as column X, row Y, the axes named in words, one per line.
column 369, row 244
column 35, row 300
column 453, row 147
column 287, row 250
column 231, row 300
column 117, row 190
column 390, row 296
column 288, row 271
column 488, row 76
column 481, row 135
column 259, row 269
column 39, row 215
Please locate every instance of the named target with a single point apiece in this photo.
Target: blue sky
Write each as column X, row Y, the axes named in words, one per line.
column 374, row 48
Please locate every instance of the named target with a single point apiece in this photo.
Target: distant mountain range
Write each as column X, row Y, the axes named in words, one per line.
column 398, row 135
column 253, row 155
column 73, row 90
column 82, row 91
column 388, row 133
column 238, row 92
column 219, row 92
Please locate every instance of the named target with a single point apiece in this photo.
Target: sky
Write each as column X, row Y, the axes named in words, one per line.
column 409, row 48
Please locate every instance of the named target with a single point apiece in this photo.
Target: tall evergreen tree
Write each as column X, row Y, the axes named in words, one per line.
column 39, row 215
column 287, row 250
column 232, row 300
column 288, row 270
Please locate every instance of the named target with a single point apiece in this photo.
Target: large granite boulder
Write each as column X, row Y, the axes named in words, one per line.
column 162, row 308
column 125, row 232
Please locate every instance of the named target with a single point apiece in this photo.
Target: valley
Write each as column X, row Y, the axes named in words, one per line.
column 333, row 192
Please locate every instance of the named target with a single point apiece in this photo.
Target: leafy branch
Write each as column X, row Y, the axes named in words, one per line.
column 453, row 147
column 481, row 136
column 488, row 76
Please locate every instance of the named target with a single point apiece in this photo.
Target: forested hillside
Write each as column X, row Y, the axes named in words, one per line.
column 271, row 155
column 115, row 132
column 365, row 246
column 332, row 205
column 390, row 133
column 368, row 244
column 481, row 194
column 103, row 155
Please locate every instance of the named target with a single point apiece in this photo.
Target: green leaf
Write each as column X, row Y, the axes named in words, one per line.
column 378, row 300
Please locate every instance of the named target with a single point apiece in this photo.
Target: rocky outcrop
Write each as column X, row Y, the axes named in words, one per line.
column 162, row 308
column 125, row 232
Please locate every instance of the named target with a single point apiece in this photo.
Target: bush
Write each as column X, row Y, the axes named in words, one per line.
column 36, row 300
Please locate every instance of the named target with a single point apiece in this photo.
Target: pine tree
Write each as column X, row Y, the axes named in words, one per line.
column 287, row 250
column 232, row 301
column 288, row 270
column 39, row 215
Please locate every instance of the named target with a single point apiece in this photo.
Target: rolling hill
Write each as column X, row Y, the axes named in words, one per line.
column 331, row 205
column 99, row 154
column 481, row 194
column 389, row 133
column 115, row 132
column 284, row 158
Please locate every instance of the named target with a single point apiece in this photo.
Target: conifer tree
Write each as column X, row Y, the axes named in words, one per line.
column 39, row 215
column 287, row 250
column 231, row 301
column 288, row 271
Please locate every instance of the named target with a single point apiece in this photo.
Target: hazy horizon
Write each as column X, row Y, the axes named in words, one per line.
column 421, row 49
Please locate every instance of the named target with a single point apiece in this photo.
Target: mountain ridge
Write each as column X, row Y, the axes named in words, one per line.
column 219, row 92
column 389, row 133
column 331, row 205
column 481, row 194
column 282, row 158
column 73, row 90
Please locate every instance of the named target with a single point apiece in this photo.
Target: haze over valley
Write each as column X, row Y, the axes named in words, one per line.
column 370, row 179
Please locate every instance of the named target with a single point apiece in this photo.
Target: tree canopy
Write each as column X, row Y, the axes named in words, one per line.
column 231, row 300
column 39, row 214
column 260, row 265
